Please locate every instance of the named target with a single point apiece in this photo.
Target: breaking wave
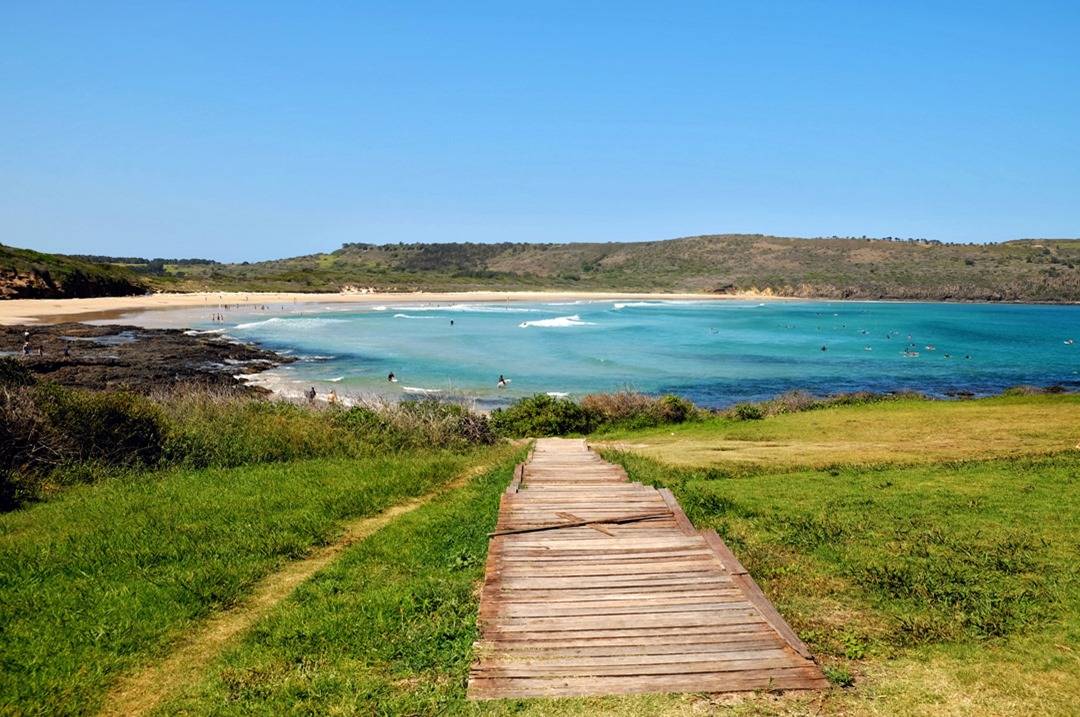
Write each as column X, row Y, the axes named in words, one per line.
column 557, row 323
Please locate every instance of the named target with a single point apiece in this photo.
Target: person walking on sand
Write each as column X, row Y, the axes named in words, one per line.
column 311, row 394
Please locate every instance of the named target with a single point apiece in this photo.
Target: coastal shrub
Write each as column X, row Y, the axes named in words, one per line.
column 629, row 410
column 1026, row 390
column 13, row 373
column 416, row 424
column 543, row 415
column 224, row 430
column 748, row 412
column 111, row 427
column 24, row 439
column 55, row 435
column 52, row 436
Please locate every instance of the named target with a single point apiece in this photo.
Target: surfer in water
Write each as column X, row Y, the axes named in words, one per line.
column 392, row 378
column 502, row 381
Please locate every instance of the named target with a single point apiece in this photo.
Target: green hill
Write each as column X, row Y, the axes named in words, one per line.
column 1041, row 270
column 26, row 274
column 1023, row 270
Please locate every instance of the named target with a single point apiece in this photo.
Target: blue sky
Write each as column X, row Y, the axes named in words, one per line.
column 258, row 130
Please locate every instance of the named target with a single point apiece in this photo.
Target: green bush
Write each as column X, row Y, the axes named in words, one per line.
column 543, row 415
column 748, row 412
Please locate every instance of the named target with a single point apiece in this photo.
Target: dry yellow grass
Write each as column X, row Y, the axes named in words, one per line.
column 901, row 432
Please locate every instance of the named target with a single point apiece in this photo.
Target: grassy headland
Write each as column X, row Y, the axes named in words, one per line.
column 26, row 274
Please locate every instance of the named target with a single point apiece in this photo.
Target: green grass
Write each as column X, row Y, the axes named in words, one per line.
column 103, row 577
column 388, row 629
column 926, row 578
column 926, row 583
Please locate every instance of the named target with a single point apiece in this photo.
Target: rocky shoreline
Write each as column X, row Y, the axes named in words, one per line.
column 135, row 358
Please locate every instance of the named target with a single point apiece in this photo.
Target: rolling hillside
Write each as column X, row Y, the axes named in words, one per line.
column 1025, row 270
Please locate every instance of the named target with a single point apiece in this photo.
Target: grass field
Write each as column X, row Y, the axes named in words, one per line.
column 103, row 577
column 945, row 587
column 886, row 433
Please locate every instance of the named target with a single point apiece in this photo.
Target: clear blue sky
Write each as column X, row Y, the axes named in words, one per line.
column 265, row 129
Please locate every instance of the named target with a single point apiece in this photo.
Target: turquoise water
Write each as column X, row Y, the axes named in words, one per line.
column 714, row 352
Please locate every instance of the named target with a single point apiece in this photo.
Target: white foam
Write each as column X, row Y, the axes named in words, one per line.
column 557, row 323
column 558, row 394
column 302, row 324
column 264, row 322
column 424, row 391
column 643, row 304
column 335, row 380
column 196, row 332
column 471, row 308
column 407, row 316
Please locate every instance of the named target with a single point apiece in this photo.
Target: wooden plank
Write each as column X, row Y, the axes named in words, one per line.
column 680, row 517
column 557, row 526
column 798, row 678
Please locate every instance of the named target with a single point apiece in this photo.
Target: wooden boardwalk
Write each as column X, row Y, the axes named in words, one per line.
column 599, row 586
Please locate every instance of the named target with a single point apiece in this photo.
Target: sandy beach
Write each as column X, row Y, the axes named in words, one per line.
column 28, row 311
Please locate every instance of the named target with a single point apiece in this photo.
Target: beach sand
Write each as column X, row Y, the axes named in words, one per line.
column 26, row 311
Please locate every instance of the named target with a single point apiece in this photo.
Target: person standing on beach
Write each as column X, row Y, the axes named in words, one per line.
column 311, row 394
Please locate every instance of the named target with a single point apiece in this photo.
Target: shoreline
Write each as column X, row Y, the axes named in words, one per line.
column 14, row 312
column 47, row 311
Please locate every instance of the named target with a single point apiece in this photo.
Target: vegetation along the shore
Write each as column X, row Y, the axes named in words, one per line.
column 1038, row 270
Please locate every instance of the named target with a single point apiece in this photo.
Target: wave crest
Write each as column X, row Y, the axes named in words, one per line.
column 557, row 323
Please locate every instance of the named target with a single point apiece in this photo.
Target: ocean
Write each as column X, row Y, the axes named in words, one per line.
column 715, row 353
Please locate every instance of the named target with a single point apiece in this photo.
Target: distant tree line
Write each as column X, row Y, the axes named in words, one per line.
column 141, row 265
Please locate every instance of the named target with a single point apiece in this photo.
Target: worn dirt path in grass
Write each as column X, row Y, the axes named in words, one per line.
column 141, row 692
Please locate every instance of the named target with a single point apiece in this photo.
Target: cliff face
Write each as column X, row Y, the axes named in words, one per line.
column 27, row 274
